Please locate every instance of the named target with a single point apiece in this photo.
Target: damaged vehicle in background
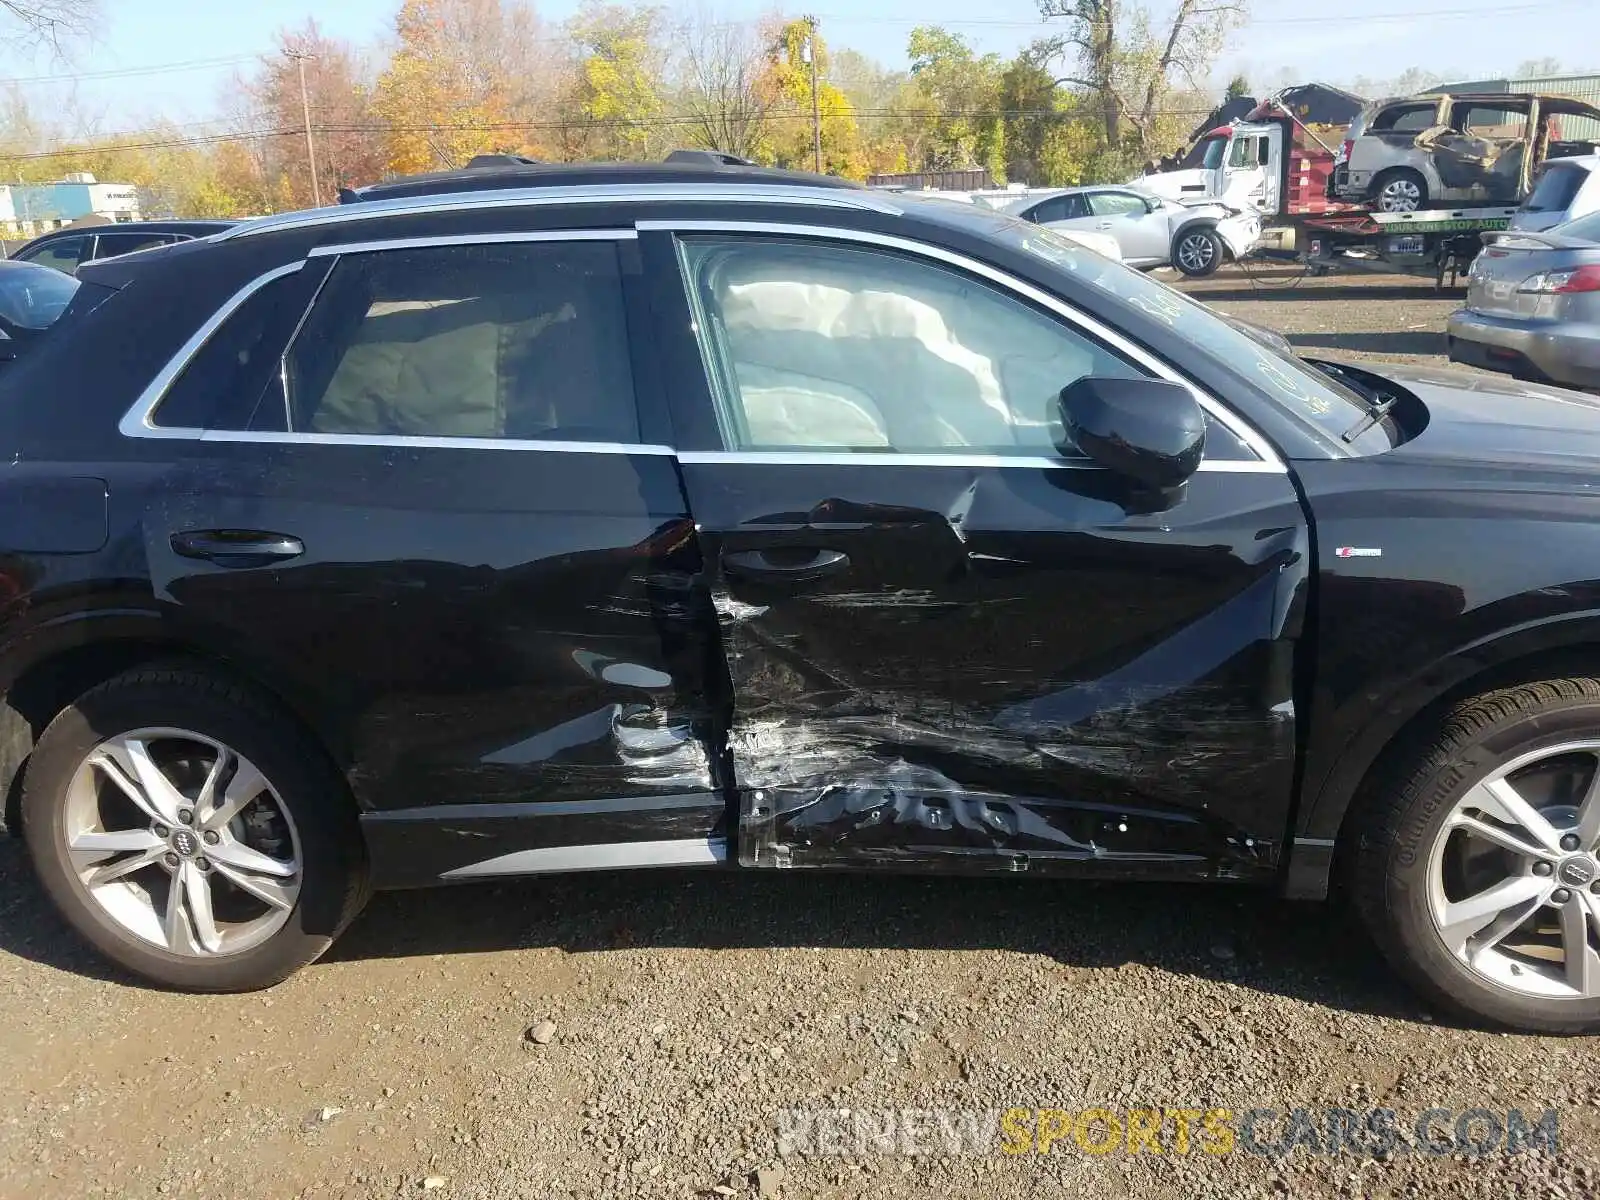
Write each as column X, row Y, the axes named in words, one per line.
column 549, row 519
column 1533, row 306
column 1427, row 151
column 1150, row 231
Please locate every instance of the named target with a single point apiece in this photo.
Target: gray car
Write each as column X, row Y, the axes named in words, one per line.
column 1533, row 306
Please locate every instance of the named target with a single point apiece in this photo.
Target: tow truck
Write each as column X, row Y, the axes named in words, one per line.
column 1284, row 168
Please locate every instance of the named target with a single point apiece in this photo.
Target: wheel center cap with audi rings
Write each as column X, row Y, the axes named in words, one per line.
column 1578, row 871
column 185, row 843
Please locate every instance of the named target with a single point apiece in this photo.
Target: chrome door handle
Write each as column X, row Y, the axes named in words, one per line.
column 237, row 547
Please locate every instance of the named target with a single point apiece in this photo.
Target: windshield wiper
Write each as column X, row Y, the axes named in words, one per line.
column 1375, row 413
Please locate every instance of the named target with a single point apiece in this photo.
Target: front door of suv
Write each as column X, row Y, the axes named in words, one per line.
column 444, row 521
column 948, row 643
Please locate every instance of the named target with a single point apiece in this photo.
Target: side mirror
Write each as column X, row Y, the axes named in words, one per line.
column 1146, row 430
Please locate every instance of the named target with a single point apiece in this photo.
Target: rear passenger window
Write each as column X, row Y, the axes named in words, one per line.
column 504, row 340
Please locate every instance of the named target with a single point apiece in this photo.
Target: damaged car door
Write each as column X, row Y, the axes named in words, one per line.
column 951, row 641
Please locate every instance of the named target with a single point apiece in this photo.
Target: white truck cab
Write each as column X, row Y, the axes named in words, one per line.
column 1241, row 165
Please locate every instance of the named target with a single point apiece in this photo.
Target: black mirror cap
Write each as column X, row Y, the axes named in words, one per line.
column 1148, row 430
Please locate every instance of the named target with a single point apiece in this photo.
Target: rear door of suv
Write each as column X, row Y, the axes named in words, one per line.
column 425, row 487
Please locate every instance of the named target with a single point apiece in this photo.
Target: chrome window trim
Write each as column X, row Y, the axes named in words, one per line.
column 868, row 458
column 1246, row 433
column 402, row 441
column 138, row 423
column 475, row 239
column 555, row 195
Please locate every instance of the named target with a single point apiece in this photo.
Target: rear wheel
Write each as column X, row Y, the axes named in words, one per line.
column 191, row 833
column 1197, row 252
column 1400, row 190
column 1478, row 873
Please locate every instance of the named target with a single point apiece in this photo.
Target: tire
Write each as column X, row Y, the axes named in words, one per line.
column 1422, row 867
column 1399, row 189
column 1198, row 251
column 293, row 845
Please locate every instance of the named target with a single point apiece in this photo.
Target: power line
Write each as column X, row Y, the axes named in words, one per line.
column 530, row 126
column 172, row 68
column 1388, row 15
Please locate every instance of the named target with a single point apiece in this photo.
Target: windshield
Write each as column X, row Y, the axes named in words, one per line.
column 1308, row 394
column 33, row 297
column 1215, row 149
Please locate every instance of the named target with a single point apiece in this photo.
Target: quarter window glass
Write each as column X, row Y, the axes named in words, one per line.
column 525, row 341
column 236, row 371
column 818, row 346
column 63, row 254
column 1116, row 204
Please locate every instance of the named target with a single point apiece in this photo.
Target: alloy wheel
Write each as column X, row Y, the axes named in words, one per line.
column 1400, row 195
column 182, row 842
column 1514, row 875
column 1195, row 252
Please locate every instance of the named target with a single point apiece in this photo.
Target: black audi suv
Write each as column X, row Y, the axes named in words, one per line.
column 538, row 519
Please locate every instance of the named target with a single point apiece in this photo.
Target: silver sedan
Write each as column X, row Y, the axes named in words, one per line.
column 1533, row 306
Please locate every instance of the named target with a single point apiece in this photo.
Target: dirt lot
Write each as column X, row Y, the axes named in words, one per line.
column 690, row 1011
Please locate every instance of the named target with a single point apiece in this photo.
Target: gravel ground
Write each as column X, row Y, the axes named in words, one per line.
column 678, row 1016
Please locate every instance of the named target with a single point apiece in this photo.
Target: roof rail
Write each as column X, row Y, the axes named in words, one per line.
column 724, row 190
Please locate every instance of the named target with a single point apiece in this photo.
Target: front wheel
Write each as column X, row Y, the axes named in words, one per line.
column 1478, row 871
column 1197, row 252
column 191, row 833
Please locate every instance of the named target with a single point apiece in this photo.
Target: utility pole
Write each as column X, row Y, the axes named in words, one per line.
column 816, row 107
column 300, row 57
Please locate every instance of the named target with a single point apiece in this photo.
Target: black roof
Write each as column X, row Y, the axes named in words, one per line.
column 524, row 175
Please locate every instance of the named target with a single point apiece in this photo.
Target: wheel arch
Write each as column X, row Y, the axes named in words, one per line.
column 1409, row 714
column 62, row 663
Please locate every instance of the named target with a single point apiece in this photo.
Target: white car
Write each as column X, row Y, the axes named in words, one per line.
column 1151, row 231
column 1012, row 199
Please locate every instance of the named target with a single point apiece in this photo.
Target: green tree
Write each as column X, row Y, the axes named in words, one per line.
column 955, row 96
column 619, row 88
column 788, row 76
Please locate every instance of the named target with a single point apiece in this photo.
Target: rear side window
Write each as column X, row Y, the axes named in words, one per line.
column 514, row 340
column 64, row 254
column 235, row 373
column 1558, row 187
column 109, row 245
column 1411, row 119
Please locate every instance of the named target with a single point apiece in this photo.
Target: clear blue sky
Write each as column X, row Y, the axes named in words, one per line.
column 1372, row 38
